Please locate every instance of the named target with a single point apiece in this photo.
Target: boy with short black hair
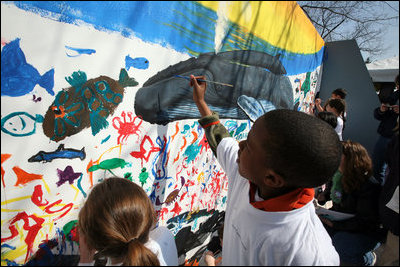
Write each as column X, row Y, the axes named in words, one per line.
column 270, row 218
column 339, row 93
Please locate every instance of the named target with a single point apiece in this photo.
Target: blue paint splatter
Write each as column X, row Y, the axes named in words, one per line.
column 186, row 129
column 152, row 195
column 240, row 129
column 80, row 51
column 105, row 139
column 80, row 186
column 195, row 224
column 137, row 63
column 8, row 246
column 192, row 151
column 11, row 263
column 161, row 159
column 18, row 78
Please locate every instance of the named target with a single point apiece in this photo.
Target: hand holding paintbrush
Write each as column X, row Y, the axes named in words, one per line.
column 199, row 90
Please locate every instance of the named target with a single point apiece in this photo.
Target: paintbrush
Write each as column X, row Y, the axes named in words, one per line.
column 202, row 80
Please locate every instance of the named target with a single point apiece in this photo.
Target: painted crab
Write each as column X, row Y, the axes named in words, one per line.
column 126, row 128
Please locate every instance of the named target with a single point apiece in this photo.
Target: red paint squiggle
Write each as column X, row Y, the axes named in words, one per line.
column 177, row 209
column 32, row 230
column 141, row 153
column 37, row 196
column 177, row 130
column 68, row 207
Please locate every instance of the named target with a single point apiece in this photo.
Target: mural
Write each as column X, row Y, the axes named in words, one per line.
column 93, row 89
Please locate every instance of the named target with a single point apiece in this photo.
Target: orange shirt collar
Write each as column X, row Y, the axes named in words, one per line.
column 287, row 202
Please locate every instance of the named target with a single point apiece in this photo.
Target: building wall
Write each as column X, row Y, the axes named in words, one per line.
column 343, row 66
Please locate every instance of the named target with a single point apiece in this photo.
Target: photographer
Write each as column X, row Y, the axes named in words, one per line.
column 387, row 114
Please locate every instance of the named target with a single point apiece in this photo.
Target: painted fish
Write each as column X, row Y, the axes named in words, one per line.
column 109, row 164
column 61, row 152
column 80, row 51
column 19, row 77
column 164, row 98
column 137, row 63
column 87, row 103
column 20, row 123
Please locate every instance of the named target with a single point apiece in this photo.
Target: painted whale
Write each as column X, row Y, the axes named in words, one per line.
column 165, row 98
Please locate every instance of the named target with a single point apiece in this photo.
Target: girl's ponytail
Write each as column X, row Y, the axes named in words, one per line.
column 139, row 255
column 115, row 211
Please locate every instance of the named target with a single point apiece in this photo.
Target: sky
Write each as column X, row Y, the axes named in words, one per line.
column 391, row 37
column 390, row 32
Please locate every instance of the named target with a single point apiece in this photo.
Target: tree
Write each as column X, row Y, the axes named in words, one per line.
column 364, row 21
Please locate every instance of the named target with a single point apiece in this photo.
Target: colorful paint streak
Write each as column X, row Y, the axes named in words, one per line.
column 32, row 230
column 4, row 157
column 141, row 154
column 24, row 177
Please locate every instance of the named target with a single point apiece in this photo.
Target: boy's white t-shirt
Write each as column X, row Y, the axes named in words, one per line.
column 256, row 237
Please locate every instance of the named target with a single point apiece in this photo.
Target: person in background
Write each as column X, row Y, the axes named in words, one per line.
column 387, row 115
column 328, row 117
column 352, row 191
column 270, row 217
column 337, row 107
column 117, row 227
column 389, row 205
column 338, row 93
column 213, row 254
column 331, row 119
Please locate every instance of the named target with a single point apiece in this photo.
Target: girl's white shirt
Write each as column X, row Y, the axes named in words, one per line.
column 339, row 128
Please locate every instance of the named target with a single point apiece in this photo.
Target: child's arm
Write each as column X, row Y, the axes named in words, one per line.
column 318, row 105
column 215, row 131
column 209, row 258
column 199, row 91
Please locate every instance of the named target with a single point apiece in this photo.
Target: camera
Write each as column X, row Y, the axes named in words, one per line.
column 389, row 107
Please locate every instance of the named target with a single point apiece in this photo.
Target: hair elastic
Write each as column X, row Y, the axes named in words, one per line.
column 132, row 239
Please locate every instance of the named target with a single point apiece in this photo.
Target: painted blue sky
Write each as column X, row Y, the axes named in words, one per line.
column 185, row 26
